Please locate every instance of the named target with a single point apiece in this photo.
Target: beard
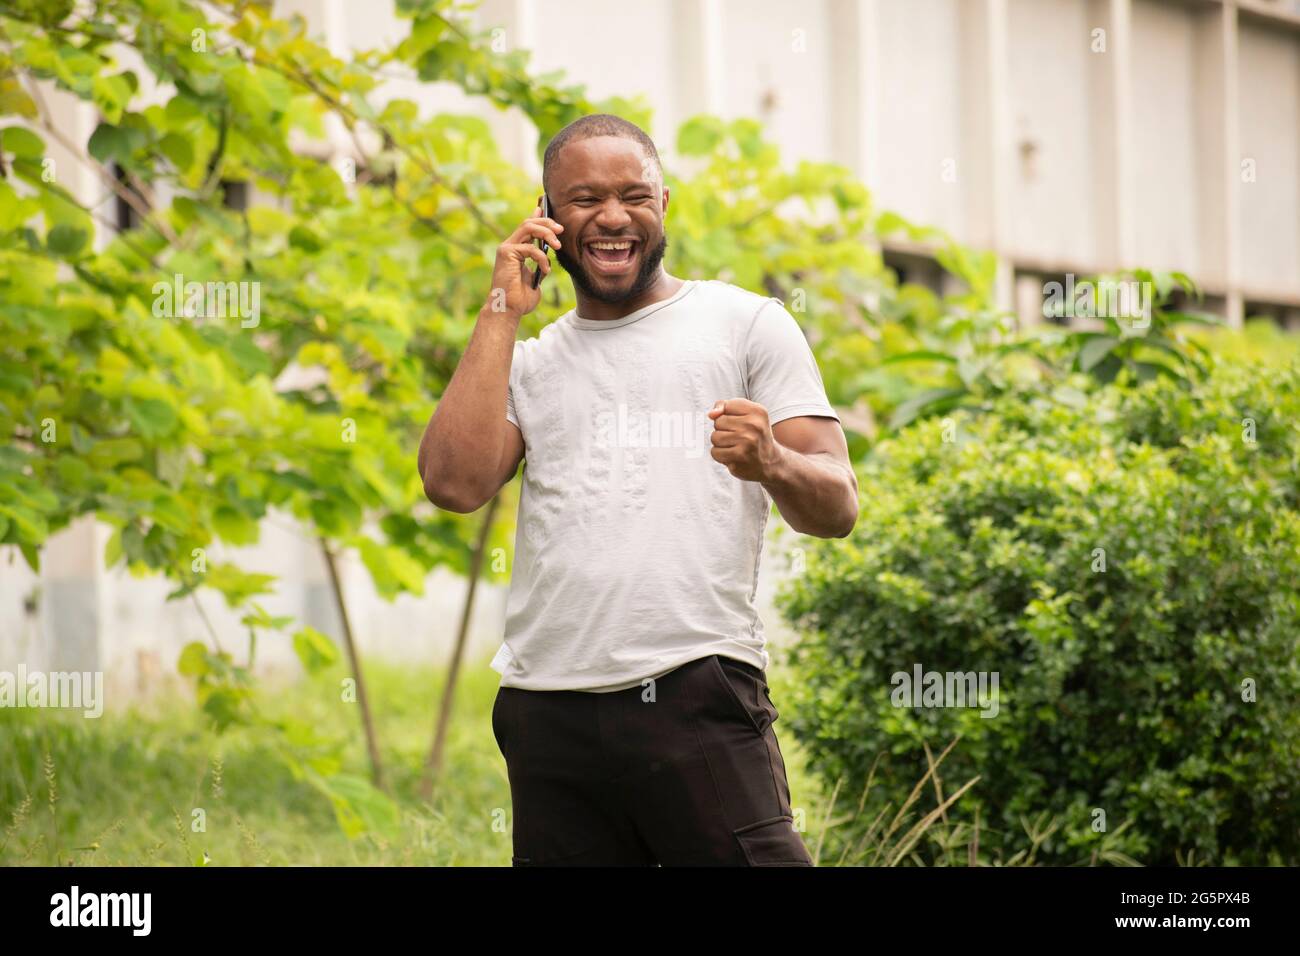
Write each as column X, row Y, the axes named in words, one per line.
column 645, row 276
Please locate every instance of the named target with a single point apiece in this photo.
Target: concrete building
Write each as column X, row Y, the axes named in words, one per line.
column 1068, row 136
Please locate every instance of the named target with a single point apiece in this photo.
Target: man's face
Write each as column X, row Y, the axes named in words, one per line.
column 607, row 194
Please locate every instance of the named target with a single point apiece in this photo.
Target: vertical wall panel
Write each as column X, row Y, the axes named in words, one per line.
column 1054, row 194
column 1165, row 148
column 778, row 68
column 920, row 112
column 1269, row 208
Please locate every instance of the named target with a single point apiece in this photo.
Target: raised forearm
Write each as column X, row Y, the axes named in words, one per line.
column 460, row 452
column 815, row 490
column 815, row 493
column 463, row 454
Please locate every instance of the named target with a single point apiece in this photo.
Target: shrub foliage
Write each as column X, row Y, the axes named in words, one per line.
column 1127, row 564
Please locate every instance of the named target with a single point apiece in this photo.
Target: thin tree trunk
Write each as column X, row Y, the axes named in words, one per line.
column 367, row 721
column 433, row 765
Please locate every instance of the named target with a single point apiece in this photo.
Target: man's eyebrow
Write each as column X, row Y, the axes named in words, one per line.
column 593, row 188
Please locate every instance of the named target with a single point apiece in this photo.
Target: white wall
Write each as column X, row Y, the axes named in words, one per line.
column 920, row 113
column 1167, row 223
column 1054, row 188
column 1270, row 137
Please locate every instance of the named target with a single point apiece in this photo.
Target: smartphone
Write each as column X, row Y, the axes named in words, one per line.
column 541, row 243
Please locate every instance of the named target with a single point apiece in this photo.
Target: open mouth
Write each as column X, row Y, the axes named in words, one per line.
column 611, row 256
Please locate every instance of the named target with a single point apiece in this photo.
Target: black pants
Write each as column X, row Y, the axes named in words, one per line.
column 682, row 771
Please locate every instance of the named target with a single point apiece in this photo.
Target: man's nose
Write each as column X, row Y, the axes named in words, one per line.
column 612, row 215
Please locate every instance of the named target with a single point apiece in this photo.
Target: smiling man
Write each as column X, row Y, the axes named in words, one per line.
column 634, row 714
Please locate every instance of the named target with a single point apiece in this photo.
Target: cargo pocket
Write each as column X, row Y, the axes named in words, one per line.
column 773, row 842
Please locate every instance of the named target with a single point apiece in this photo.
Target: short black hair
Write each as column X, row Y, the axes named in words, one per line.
column 596, row 124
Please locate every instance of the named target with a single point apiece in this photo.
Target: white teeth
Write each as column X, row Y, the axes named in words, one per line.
column 611, row 245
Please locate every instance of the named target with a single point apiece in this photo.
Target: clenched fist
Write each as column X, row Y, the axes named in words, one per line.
column 742, row 439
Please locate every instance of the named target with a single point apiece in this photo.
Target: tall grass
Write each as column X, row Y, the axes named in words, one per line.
column 917, row 834
column 124, row 789
column 154, row 786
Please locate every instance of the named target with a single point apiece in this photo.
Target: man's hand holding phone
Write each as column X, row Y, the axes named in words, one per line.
column 514, row 292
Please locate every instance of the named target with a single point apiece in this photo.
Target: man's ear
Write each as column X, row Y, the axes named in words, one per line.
column 665, row 208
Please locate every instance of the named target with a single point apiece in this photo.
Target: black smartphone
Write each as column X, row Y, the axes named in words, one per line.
column 541, row 243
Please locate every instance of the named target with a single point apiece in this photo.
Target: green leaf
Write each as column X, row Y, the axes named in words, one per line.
column 234, row 526
column 113, row 548
column 336, row 516
column 1149, row 370
column 14, row 100
column 1094, row 350
column 114, row 451
column 226, row 706
column 177, row 149
column 929, row 400
column 235, row 585
column 1187, row 282
column 22, row 142
column 748, row 135
column 1106, row 370
column 112, row 93
column 314, row 649
column 14, row 210
column 920, row 355
column 111, row 143
column 1070, row 397
column 260, row 617
column 699, row 135
column 358, row 806
column 1164, row 282
column 392, row 569
column 300, row 237
column 66, row 241
column 376, row 477
column 151, row 417
column 31, row 526
column 193, row 661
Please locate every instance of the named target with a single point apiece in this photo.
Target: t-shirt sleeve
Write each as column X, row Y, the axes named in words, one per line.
column 780, row 370
column 510, row 387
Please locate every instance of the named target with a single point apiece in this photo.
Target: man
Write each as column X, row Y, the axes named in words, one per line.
column 633, row 712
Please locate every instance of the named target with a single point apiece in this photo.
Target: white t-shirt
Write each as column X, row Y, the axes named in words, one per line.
column 635, row 551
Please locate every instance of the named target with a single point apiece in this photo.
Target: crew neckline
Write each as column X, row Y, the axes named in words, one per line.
column 595, row 325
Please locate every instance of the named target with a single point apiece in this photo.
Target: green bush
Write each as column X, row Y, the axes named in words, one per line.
column 980, row 548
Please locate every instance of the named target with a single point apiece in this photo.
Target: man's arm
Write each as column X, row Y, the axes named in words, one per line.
column 470, row 449
column 803, row 463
